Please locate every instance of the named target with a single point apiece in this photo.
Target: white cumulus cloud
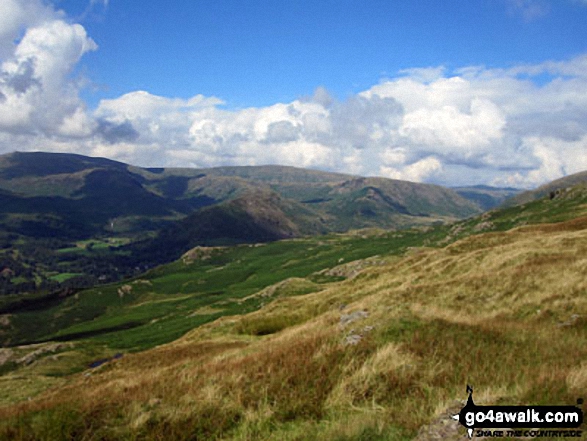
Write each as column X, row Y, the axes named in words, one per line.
column 37, row 94
column 418, row 171
column 430, row 124
column 447, row 129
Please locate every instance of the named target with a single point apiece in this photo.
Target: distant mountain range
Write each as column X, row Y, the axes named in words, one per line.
column 73, row 196
column 485, row 196
column 551, row 189
column 299, row 338
column 50, row 203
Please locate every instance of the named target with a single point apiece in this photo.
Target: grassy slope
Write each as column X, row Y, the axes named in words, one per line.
column 173, row 292
column 557, row 185
column 504, row 311
column 51, row 202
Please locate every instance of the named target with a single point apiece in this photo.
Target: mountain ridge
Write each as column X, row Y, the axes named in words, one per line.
column 103, row 190
column 550, row 188
column 73, row 219
column 363, row 335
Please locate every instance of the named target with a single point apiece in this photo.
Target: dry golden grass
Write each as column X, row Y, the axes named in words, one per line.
column 505, row 312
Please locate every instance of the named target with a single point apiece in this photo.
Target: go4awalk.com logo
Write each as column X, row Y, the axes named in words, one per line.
column 545, row 421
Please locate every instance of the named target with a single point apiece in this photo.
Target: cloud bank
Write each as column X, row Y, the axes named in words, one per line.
column 519, row 126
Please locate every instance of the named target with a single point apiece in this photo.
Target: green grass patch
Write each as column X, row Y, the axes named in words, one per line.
column 64, row 276
column 159, row 306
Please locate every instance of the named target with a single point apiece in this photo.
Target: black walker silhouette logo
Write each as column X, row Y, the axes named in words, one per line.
column 476, row 418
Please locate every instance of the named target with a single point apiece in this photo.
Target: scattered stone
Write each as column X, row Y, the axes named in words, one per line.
column 285, row 287
column 346, row 319
column 142, row 282
column 352, row 339
column 444, row 427
column 5, row 355
column 456, row 230
column 5, row 320
column 124, row 290
column 484, row 226
column 32, row 356
column 571, row 321
column 199, row 253
column 352, row 269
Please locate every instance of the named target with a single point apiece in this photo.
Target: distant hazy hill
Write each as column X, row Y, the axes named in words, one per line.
column 68, row 219
column 485, row 196
column 546, row 189
column 73, row 196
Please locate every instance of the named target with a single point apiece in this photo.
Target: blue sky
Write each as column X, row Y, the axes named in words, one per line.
column 256, row 53
column 452, row 92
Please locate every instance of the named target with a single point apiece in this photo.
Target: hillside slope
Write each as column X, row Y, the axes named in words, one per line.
column 111, row 197
column 253, row 217
column 223, row 276
column 65, row 219
column 551, row 189
column 384, row 354
column 87, row 196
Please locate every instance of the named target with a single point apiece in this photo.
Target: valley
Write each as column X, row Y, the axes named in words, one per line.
column 370, row 333
column 69, row 221
column 293, row 220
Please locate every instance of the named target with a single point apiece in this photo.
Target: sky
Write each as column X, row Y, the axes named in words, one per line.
column 453, row 92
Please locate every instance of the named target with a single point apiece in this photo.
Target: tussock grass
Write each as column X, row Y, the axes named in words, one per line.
column 503, row 311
